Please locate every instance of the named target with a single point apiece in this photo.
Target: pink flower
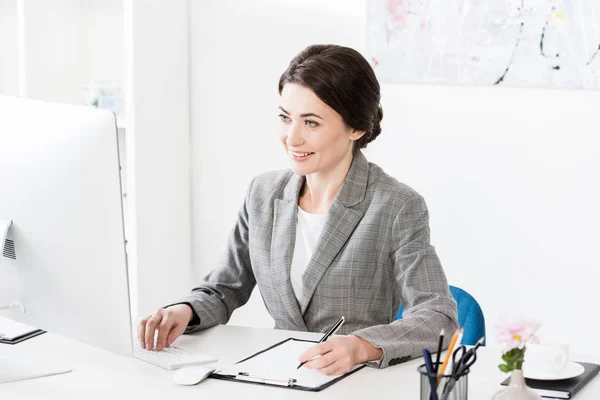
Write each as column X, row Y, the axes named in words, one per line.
column 516, row 332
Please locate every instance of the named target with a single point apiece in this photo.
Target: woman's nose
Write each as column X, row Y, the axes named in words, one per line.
column 294, row 136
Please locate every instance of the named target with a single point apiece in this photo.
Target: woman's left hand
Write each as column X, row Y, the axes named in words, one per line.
column 339, row 354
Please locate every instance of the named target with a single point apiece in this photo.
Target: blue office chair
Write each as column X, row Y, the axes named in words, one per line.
column 470, row 316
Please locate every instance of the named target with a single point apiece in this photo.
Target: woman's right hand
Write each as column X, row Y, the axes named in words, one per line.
column 170, row 323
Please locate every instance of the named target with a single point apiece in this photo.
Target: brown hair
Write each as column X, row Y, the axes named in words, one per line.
column 343, row 79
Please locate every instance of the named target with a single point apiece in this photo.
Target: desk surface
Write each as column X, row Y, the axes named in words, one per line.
column 99, row 374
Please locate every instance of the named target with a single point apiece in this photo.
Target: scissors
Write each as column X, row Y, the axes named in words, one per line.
column 461, row 363
column 462, row 359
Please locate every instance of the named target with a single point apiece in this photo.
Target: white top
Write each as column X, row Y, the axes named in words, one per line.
column 308, row 230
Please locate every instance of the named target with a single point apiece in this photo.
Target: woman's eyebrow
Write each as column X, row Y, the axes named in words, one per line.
column 302, row 115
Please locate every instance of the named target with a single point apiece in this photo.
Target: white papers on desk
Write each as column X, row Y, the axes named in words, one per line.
column 280, row 363
column 10, row 330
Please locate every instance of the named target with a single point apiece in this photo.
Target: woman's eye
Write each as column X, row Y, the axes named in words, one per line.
column 284, row 118
column 311, row 124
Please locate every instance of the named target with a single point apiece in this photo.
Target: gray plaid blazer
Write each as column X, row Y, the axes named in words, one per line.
column 373, row 254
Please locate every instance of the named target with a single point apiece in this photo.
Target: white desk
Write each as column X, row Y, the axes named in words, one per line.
column 100, row 374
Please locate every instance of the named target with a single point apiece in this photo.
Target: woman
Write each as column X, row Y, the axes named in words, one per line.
column 333, row 236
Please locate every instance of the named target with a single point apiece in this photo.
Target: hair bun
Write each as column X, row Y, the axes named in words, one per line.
column 376, row 129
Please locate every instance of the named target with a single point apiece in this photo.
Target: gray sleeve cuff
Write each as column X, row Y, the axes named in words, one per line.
column 374, row 363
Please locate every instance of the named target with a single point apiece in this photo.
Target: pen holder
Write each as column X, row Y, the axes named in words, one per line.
column 448, row 386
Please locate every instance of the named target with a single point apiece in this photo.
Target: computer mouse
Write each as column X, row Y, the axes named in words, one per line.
column 192, row 374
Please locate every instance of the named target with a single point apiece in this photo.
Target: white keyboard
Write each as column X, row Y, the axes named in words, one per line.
column 170, row 358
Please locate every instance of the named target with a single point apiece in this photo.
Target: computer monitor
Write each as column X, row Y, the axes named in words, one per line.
column 60, row 186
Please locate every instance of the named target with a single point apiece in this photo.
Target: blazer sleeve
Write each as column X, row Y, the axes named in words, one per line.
column 229, row 285
column 424, row 292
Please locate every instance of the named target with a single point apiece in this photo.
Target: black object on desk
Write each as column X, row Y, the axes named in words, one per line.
column 565, row 388
column 22, row 338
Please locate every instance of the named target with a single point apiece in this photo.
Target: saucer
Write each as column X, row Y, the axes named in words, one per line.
column 571, row 370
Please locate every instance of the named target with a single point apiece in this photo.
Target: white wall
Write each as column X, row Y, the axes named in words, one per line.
column 510, row 175
column 157, row 72
column 103, row 40
column 54, row 69
column 9, row 83
column 69, row 42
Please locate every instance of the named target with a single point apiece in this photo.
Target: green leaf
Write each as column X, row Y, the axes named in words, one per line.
column 514, row 359
column 505, row 368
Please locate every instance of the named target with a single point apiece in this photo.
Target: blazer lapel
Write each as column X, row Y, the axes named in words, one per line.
column 282, row 247
column 344, row 215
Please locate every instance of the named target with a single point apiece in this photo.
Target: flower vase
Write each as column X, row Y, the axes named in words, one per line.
column 517, row 389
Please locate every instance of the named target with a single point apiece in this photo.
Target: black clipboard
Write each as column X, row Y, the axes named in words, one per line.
column 23, row 337
column 290, row 385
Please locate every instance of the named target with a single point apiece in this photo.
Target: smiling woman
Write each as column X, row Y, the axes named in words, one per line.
column 327, row 116
column 344, row 82
column 332, row 236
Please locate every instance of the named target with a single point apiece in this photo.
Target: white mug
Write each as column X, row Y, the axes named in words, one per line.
column 548, row 357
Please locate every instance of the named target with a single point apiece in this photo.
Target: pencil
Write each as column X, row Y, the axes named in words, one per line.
column 449, row 353
column 460, row 337
column 439, row 350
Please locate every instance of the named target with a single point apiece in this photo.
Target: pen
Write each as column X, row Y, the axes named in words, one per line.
column 330, row 332
column 430, row 374
column 439, row 351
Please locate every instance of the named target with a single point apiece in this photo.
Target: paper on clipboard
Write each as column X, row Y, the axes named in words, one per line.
column 11, row 330
column 280, row 363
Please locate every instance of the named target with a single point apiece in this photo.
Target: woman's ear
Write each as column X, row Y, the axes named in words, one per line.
column 355, row 135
